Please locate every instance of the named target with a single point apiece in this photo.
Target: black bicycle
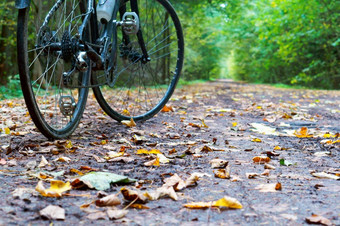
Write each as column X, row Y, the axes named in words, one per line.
column 132, row 61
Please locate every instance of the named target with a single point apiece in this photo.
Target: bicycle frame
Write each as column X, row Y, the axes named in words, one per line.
column 22, row 4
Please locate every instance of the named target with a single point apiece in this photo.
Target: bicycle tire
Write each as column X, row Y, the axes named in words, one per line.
column 55, row 109
column 134, row 95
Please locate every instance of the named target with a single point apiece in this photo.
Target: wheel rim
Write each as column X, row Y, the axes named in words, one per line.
column 140, row 89
column 57, row 105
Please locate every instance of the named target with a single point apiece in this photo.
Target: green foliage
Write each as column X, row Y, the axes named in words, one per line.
column 12, row 89
column 202, row 25
column 285, row 41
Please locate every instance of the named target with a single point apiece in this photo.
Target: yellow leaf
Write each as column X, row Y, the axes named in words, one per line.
column 138, row 206
column 303, row 133
column 228, row 202
column 337, row 141
column 56, row 189
column 7, row 131
column 68, row 144
column 129, row 123
column 146, row 152
column 103, row 142
column 203, row 123
column 76, row 171
column 256, row 140
column 234, row 124
column 126, row 112
column 198, row 205
column 277, row 148
column 156, row 163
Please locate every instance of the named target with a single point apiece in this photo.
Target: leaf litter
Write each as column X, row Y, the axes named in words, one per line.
column 221, row 129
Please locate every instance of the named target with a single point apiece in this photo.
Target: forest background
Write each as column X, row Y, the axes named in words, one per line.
column 292, row 42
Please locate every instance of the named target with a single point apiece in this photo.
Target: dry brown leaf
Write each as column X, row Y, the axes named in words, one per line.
column 164, row 191
column 97, row 215
column 139, row 206
column 53, row 212
column 218, row 163
column 43, row 162
column 175, row 181
column 317, row 219
column 267, row 187
column 63, row 159
column 266, row 172
column 167, row 109
column 325, row 175
column 110, row 200
column 251, row 175
column 129, row 123
column 268, row 166
column 154, row 162
column 223, row 173
column 133, row 195
column 116, row 214
column 261, row 159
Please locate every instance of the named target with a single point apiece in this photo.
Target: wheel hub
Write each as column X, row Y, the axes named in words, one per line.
column 69, row 46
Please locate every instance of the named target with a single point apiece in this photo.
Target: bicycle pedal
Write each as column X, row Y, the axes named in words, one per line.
column 67, row 105
column 130, row 23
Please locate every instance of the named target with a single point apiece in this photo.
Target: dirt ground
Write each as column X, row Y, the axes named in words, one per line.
column 296, row 132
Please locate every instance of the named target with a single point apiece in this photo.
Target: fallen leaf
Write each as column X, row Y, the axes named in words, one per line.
column 261, row 159
column 139, row 206
column 116, row 214
column 56, row 189
column 303, row 133
column 167, row 109
column 63, row 159
column 223, row 173
column 251, row 175
column 263, row 129
column 284, row 162
column 317, row 219
column 325, row 175
column 100, row 180
column 268, row 166
column 129, row 123
column 267, row 187
column 256, row 140
column 53, row 212
column 97, row 215
column 278, row 187
column 154, row 162
column 226, row 202
column 133, row 195
column 43, row 162
column 164, row 191
column 175, row 181
column 218, row 163
column 146, row 152
column 110, row 200
column 266, row 172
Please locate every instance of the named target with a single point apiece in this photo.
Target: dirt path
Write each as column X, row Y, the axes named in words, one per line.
column 231, row 121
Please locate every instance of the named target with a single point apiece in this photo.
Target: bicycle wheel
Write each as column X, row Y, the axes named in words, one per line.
column 47, row 39
column 140, row 89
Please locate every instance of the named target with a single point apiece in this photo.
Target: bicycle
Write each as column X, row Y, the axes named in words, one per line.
column 132, row 61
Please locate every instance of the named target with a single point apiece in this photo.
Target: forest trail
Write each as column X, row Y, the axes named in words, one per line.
column 278, row 154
